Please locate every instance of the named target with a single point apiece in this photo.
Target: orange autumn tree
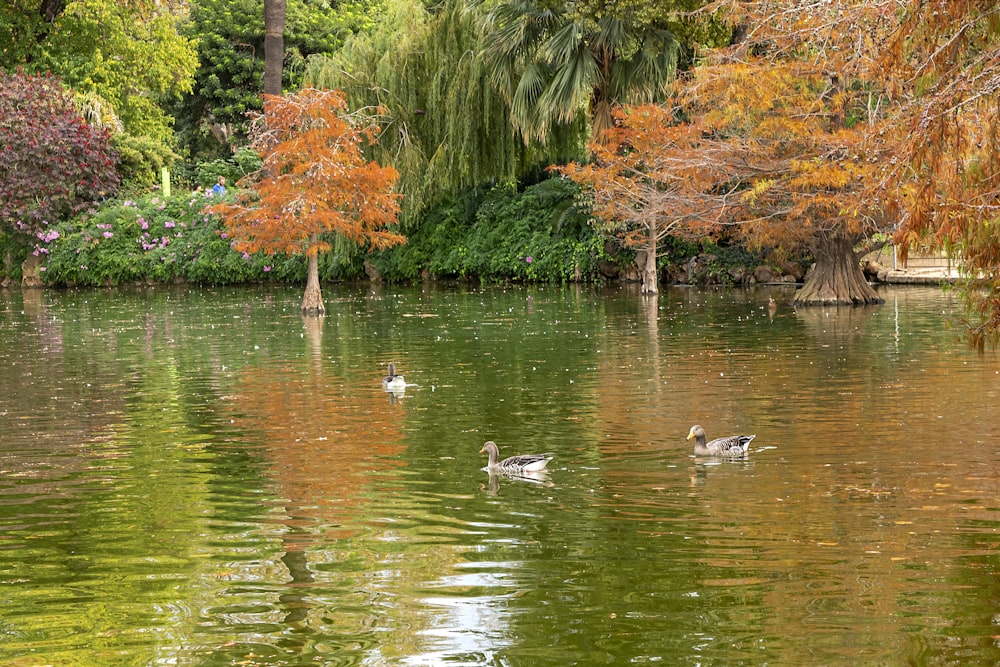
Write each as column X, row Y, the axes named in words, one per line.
column 314, row 180
column 945, row 180
column 931, row 74
column 752, row 147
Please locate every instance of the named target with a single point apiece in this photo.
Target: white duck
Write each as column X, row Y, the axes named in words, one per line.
column 393, row 382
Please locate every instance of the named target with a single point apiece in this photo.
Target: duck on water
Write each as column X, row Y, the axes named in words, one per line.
column 393, row 382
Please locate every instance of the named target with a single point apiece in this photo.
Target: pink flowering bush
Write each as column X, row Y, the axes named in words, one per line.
column 153, row 240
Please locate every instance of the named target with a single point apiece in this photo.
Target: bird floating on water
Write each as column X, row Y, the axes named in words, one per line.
column 514, row 465
column 393, row 382
column 733, row 445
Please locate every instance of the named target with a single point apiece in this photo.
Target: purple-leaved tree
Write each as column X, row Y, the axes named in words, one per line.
column 52, row 164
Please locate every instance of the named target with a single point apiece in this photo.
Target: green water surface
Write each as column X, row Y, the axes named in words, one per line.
column 201, row 477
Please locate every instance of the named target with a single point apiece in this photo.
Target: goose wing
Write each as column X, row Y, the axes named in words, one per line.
column 734, row 444
column 527, row 462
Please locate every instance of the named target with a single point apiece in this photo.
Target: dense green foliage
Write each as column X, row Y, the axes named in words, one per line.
column 230, row 38
column 556, row 61
column 133, row 65
column 448, row 130
column 52, row 164
column 156, row 239
column 491, row 235
column 126, row 57
column 501, row 234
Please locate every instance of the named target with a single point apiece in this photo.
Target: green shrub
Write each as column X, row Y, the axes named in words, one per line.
column 149, row 239
column 140, row 159
column 502, row 234
column 13, row 251
column 158, row 239
column 244, row 161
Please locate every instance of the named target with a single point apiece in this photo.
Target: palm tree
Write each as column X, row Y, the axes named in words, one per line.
column 274, row 45
column 551, row 60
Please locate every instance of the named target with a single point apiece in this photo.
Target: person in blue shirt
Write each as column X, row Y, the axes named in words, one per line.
column 220, row 186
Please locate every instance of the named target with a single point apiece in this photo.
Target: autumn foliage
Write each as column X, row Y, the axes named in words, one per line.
column 314, row 180
column 757, row 150
column 827, row 124
column 929, row 76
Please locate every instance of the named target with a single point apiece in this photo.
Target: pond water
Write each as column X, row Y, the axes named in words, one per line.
column 200, row 477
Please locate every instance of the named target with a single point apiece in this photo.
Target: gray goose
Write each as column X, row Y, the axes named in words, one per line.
column 733, row 445
column 514, row 465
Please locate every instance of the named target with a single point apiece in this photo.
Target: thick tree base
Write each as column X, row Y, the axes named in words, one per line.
column 312, row 300
column 837, row 279
column 646, row 263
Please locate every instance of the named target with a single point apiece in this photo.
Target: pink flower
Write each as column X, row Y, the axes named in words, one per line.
column 528, row 259
column 267, row 268
column 108, row 235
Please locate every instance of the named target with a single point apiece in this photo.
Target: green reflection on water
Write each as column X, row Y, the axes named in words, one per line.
column 199, row 477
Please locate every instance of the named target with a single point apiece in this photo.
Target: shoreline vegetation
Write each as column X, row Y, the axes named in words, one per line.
column 493, row 235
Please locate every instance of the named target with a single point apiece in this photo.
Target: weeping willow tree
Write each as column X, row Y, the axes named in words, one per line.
column 448, row 129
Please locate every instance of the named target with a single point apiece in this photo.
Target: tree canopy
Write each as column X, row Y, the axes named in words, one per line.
column 314, row 181
column 756, row 148
column 930, row 72
column 551, row 60
column 230, row 37
column 125, row 57
column 52, row 163
column 830, row 124
column 448, row 128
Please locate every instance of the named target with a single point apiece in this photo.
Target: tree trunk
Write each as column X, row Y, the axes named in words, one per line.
column 837, row 278
column 312, row 301
column 52, row 9
column 648, row 276
column 274, row 45
column 31, row 276
column 601, row 120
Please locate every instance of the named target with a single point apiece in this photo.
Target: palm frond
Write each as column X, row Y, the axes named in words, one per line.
column 561, row 46
column 611, row 35
column 533, row 82
column 512, row 34
column 570, row 86
column 645, row 76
